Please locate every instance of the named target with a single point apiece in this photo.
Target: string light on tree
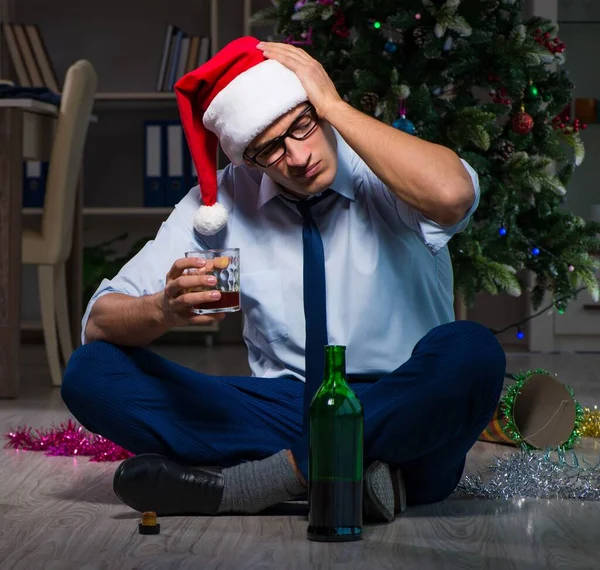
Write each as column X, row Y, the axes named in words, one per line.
column 517, row 325
column 559, row 304
column 560, row 307
column 531, row 92
column 390, row 34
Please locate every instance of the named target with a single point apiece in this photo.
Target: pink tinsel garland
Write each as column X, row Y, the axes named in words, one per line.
column 67, row 439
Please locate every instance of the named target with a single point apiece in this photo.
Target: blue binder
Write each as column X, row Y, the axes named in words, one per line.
column 154, row 164
column 35, row 174
column 176, row 171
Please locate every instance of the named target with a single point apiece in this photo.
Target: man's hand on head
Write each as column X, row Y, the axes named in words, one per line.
column 320, row 89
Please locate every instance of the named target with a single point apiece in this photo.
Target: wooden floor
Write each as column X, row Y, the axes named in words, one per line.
column 60, row 513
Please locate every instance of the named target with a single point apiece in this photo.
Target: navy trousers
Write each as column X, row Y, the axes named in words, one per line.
column 423, row 417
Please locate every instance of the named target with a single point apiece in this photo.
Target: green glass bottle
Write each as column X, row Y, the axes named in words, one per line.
column 335, row 469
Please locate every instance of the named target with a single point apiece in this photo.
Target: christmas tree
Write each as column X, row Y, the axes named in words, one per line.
column 471, row 75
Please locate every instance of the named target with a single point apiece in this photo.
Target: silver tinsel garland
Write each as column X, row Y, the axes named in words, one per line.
column 554, row 474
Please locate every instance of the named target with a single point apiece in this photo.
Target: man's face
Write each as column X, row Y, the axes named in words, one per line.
column 304, row 167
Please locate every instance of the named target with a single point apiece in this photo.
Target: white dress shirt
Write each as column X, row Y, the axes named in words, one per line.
column 388, row 269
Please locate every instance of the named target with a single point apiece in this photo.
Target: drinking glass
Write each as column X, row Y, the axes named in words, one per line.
column 224, row 264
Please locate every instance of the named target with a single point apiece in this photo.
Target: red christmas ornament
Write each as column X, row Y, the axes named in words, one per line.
column 522, row 122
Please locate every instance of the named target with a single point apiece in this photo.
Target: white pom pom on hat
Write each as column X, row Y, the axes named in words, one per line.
column 230, row 100
column 208, row 220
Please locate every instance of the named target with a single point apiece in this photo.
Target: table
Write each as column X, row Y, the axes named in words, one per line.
column 26, row 133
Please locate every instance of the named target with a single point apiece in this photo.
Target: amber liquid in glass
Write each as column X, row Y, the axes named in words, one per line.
column 229, row 299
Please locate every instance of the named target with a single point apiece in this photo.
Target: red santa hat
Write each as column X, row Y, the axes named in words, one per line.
column 231, row 99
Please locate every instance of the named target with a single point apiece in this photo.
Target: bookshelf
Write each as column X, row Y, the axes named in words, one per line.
column 124, row 42
column 136, row 96
column 141, row 211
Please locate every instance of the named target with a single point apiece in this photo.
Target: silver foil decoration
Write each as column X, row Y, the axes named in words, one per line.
column 554, row 474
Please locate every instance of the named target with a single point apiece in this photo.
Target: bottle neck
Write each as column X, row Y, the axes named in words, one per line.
column 335, row 365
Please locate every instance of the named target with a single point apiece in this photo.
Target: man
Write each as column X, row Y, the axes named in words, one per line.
column 343, row 224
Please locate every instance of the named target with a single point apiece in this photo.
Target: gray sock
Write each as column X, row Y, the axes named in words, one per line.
column 253, row 486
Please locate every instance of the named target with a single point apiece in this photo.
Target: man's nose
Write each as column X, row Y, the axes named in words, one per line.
column 298, row 153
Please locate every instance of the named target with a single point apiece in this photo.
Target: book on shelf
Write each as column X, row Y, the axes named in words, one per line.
column 181, row 54
column 29, row 56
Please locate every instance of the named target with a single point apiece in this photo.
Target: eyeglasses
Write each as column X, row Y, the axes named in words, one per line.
column 274, row 150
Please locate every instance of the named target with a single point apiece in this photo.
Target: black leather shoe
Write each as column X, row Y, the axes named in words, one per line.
column 384, row 495
column 151, row 482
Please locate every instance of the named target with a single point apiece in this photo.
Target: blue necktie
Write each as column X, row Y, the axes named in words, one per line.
column 315, row 307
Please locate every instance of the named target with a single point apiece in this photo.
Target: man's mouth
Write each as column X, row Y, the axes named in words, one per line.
column 311, row 171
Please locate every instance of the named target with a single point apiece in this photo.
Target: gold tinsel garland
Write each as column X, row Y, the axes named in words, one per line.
column 590, row 423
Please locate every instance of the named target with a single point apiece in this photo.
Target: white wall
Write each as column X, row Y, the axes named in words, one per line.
column 579, row 22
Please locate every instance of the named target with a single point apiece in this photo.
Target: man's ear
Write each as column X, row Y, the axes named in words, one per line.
column 249, row 163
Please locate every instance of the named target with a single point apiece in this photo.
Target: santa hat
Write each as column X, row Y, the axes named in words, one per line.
column 231, row 99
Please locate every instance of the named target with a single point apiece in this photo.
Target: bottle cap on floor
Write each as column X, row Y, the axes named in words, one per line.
column 149, row 525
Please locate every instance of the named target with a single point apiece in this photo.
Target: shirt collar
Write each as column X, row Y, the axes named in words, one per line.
column 343, row 182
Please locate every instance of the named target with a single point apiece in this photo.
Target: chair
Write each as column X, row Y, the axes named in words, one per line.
column 50, row 248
